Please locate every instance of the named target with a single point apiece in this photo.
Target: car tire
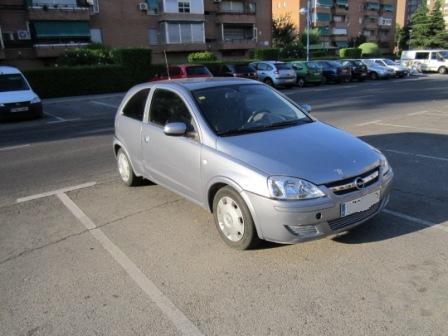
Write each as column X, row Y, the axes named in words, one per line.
column 233, row 220
column 268, row 81
column 300, row 82
column 442, row 70
column 125, row 170
column 373, row 75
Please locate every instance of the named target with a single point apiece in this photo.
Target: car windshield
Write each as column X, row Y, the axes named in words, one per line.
column 389, row 62
column 12, row 82
column 239, row 109
column 358, row 63
column 283, row 66
column 444, row 54
column 197, row 70
column 244, row 68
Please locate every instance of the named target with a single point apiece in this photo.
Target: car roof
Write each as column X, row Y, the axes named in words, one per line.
column 201, row 83
column 7, row 70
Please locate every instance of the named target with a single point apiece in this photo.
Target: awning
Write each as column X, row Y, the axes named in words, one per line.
column 341, row 2
column 44, row 29
column 323, row 31
column 323, row 17
column 325, row 3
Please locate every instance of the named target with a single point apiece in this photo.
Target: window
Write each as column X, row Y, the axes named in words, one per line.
column 421, row 55
column 153, row 36
column 379, row 62
column 185, row 32
column 184, row 7
column 135, row 107
column 167, row 107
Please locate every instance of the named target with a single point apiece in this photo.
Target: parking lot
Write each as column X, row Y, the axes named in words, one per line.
column 81, row 254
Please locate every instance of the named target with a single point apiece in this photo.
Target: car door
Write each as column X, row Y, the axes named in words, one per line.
column 128, row 126
column 262, row 69
column 172, row 161
column 423, row 58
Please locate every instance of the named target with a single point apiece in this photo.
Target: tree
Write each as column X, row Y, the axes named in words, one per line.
column 314, row 36
column 355, row 42
column 369, row 49
column 438, row 34
column 419, row 22
column 283, row 31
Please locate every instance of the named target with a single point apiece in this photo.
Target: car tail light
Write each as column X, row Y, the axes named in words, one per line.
column 276, row 72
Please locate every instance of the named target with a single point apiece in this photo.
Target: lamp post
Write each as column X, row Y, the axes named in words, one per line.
column 306, row 11
column 410, row 38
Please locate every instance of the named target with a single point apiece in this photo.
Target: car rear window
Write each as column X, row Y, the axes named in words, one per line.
column 283, row 66
column 244, row 68
column 13, row 82
column 197, row 70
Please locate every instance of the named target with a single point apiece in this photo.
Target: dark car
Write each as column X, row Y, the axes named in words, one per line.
column 183, row 71
column 334, row 71
column 237, row 70
column 359, row 70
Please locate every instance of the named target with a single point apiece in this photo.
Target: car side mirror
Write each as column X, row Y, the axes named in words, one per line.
column 175, row 129
column 306, row 107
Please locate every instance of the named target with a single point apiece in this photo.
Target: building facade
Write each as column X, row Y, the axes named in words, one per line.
column 405, row 8
column 339, row 21
column 36, row 32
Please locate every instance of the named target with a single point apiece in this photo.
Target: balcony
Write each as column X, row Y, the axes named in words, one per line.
column 181, row 17
column 54, row 50
column 384, row 22
column 228, row 44
column 339, row 31
column 371, row 7
column 52, row 10
column 321, row 19
column 324, row 3
column 181, row 47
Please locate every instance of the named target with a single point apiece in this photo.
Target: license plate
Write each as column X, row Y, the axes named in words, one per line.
column 360, row 204
column 19, row 109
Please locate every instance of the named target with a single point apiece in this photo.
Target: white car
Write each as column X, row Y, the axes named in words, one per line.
column 399, row 70
column 426, row 60
column 17, row 99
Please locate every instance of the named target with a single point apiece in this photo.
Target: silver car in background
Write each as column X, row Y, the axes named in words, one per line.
column 376, row 71
column 258, row 161
column 275, row 73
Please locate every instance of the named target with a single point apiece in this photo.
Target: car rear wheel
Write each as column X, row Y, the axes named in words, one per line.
column 233, row 220
column 374, row 76
column 125, row 169
column 442, row 70
column 269, row 82
column 300, row 82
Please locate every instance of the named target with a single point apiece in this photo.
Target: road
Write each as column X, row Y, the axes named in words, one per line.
column 102, row 259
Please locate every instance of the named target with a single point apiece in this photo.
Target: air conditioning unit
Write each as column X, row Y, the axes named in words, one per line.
column 90, row 2
column 23, row 35
column 143, row 6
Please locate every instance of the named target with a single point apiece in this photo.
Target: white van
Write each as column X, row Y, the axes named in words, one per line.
column 17, row 99
column 427, row 60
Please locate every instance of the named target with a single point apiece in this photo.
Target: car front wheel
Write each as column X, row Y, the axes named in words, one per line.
column 374, row 75
column 442, row 70
column 125, row 169
column 269, row 82
column 233, row 220
column 300, row 82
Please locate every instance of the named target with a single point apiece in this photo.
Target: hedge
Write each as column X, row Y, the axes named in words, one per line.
column 369, row 49
column 350, row 53
column 137, row 61
column 82, row 80
column 201, row 56
column 264, row 54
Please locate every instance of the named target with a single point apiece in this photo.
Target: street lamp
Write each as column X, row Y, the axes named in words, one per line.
column 306, row 11
column 410, row 38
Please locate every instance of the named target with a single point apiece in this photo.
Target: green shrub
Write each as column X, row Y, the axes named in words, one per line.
column 136, row 61
column 89, row 55
column 350, row 53
column 265, row 54
column 73, row 81
column 369, row 49
column 201, row 56
column 293, row 50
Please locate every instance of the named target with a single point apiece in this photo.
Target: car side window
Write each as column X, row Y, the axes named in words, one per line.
column 261, row 66
column 421, row 55
column 379, row 62
column 434, row 56
column 135, row 107
column 168, row 107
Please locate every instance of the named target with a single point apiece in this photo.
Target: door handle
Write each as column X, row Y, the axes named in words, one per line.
column 146, row 138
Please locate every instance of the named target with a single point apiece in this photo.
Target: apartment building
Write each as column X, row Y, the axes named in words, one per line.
column 36, row 32
column 338, row 21
column 405, row 8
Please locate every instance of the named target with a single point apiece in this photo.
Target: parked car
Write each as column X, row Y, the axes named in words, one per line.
column 237, row 70
column 376, row 71
column 258, row 161
column 399, row 71
column 17, row 98
column 307, row 72
column 275, row 73
column 358, row 69
column 183, row 71
column 334, row 71
column 428, row 60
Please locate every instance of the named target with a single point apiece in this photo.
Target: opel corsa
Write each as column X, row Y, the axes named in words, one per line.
column 258, row 161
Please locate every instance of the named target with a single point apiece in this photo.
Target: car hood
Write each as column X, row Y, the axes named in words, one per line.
column 16, row 96
column 316, row 152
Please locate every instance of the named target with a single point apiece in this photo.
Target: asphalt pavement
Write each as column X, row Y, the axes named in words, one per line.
column 81, row 254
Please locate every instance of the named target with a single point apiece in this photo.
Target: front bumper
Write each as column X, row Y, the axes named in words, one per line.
column 285, row 81
column 24, row 110
column 291, row 222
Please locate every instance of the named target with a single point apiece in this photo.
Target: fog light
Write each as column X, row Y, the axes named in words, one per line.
column 303, row 230
column 318, row 216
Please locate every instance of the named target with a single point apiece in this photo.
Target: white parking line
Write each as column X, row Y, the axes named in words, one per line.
column 59, row 119
column 364, row 96
column 13, row 147
column 417, row 113
column 416, row 220
column 104, row 104
column 182, row 323
column 369, row 123
column 54, row 192
column 424, row 156
column 413, row 127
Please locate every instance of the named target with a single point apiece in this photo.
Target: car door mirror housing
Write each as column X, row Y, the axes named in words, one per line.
column 306, row 107
column 175, row 129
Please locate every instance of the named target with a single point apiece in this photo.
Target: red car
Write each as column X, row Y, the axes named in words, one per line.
column 184, row 71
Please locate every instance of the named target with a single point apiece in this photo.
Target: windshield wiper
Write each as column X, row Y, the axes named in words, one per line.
column 281, row 124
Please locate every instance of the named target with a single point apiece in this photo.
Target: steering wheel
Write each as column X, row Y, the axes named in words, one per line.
column 251, row 119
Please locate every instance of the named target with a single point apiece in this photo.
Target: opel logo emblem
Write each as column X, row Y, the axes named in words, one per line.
column 359, row 183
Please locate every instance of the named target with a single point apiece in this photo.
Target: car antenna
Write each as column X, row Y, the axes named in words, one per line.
column 167, row 67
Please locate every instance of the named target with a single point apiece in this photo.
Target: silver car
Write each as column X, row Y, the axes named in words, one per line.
column 275, row 73
column 259, row 162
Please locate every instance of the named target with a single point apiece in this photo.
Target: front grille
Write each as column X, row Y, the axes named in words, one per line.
column 339, row 223
column 346, row 186
column 18, row 104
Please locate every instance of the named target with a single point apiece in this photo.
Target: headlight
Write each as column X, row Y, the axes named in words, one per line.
column 291, row 188
column 35, row 100
column 2, row 105
column 385, row 167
